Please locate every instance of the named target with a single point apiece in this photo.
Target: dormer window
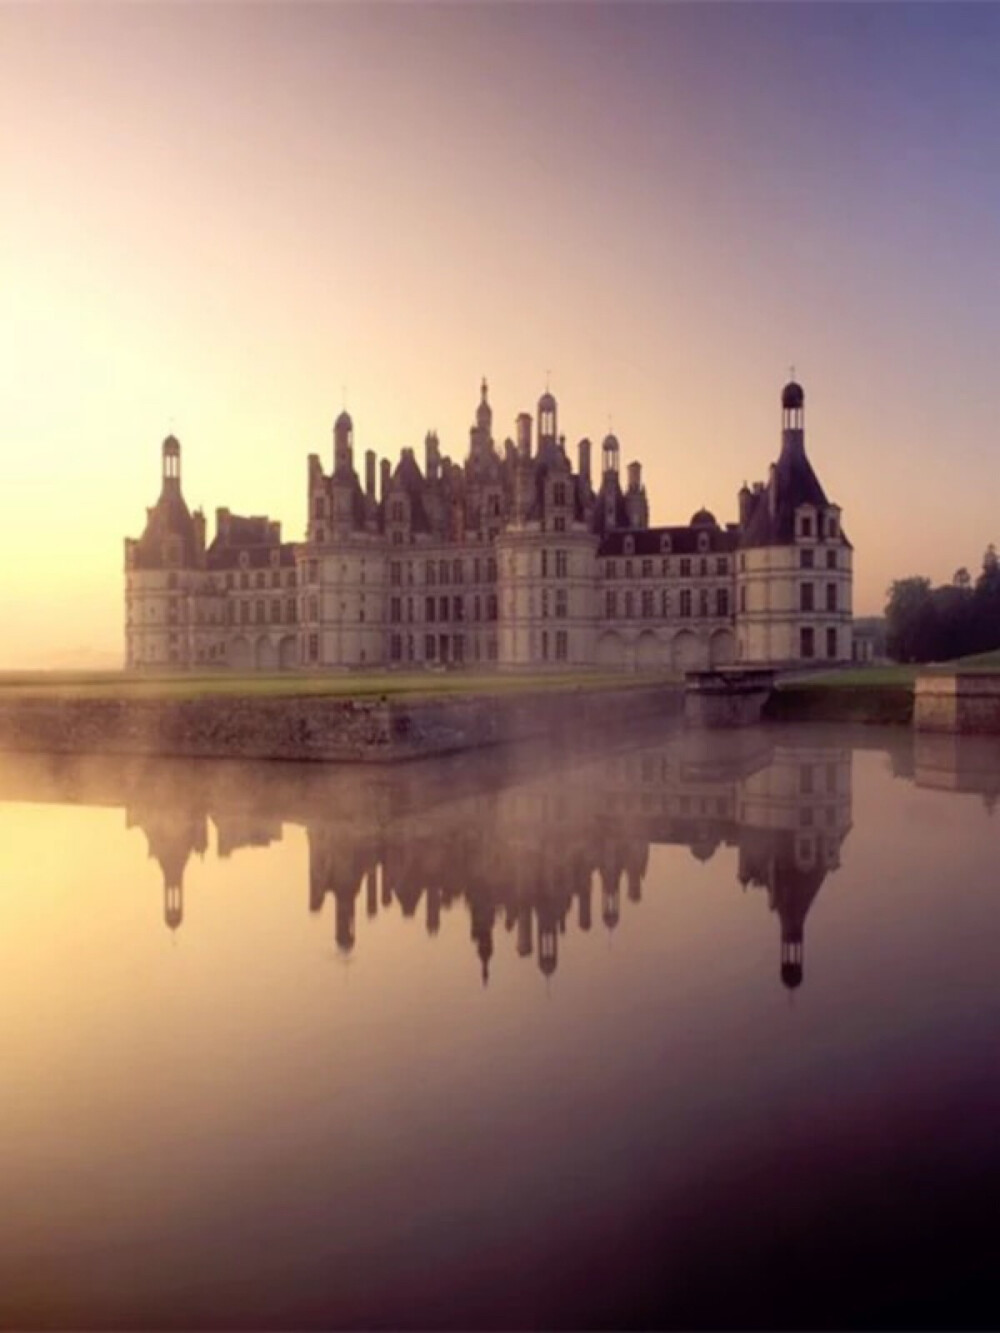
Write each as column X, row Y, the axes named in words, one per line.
column 244, row 559
column 831, row 526
column 665, row 542
column 629, row 545
column 559, row 493
column 704, row 541
column 275, row 556
column 805, row 525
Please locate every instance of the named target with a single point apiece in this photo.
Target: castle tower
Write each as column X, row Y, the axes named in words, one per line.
column 794, row 563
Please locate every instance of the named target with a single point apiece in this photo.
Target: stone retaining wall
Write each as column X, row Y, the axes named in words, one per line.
column 962, row 702
column 316, row 728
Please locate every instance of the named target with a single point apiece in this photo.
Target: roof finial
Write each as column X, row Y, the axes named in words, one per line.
column 484, row 389
column 548, row 376
column 791, row 372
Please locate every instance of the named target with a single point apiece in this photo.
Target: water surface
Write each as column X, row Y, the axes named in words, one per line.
column 697, row 1030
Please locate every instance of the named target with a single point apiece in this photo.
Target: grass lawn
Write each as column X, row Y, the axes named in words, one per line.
column 411, row 684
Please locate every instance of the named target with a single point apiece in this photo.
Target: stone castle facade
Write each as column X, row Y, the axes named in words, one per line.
column 511, row 560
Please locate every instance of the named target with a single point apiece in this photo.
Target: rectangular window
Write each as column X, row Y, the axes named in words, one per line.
column 664, row 603
column 456, row 571
column 628, row 569
column 722, row 601
column 806, row 526
column 395, row 574
column 685, row 603
column 396, row 647
column 805, row 597
column 831, row 597
column 545, row 645
column 743, row 597
column 609, row 569
column 722, row 565
column 545, row 564
column 395, row 610
column 476, row 570
column 430, row 643
column 313, row 647
column 665, row 567
column 313, row 571
column 545, row 603
column 628, row 605
column 647, row 569
column 477, row 607
column 260, row 580
column 244, row 613
column 831, row 559
column 259, row 611
column 443, row 608
column 561, row 565
column 807, row 642
column 562, row 603
column 703, row 603
column 609, row 604
column 562, row 645
column 429, row 609
column 290, row 610
column 831, row 642
column 458, row 609
column 276, row 611
column 491, row 606
column 647, row 602
column 685, row 569
column 276, row 578
column 429, row 572
column 443, row 571
column 806, row 558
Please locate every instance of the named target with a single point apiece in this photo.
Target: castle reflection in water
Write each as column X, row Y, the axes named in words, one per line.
column 565, row 847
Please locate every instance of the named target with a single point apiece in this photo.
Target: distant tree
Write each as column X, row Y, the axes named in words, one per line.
column 962, row 579
column 911, row 621
column 987, row 603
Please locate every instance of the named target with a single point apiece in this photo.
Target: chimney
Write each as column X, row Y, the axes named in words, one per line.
column 370, row 474
column 745, row 499
column 583, row 450
column 432, row 455
column 772, row 491
column 385, row 473
column 524, row 434
column 634, row 477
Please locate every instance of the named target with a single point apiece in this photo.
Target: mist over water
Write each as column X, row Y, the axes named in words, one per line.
column 691, row 1029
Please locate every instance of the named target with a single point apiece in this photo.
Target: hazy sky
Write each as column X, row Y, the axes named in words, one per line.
column 215, row 217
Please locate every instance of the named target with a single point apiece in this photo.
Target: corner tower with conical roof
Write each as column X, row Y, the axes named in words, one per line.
column 162, row 570
column 794, row 563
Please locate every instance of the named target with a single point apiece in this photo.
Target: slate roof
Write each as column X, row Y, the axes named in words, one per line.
column 771, row 521
column 169, row 517
column 683, row 541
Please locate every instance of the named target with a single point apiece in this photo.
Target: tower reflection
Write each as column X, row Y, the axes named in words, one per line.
column 528, row 845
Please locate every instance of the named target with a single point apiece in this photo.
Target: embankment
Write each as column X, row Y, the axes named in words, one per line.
column 301, row 728
column 877, row 704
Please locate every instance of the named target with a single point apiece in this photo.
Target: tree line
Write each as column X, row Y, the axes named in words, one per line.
column 927, row 624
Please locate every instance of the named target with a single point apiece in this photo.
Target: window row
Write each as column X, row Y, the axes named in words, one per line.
column 628, row 604
column 686, row 567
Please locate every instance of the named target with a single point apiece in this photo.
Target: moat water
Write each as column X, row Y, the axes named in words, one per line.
column 691, row 1031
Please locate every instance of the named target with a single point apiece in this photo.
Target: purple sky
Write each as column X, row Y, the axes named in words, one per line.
column 217, row 216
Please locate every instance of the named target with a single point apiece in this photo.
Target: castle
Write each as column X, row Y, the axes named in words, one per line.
column 510, row 560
